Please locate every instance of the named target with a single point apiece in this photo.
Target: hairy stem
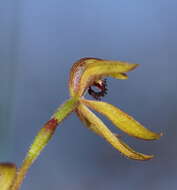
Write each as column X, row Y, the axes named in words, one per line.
column 42, row 139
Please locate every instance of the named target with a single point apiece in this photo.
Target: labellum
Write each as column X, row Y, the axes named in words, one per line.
column 102, row 86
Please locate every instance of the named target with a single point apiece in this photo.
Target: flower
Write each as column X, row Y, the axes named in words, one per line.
column 89, row 72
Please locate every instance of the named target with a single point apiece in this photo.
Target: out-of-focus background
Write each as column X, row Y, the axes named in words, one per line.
column 40, row 40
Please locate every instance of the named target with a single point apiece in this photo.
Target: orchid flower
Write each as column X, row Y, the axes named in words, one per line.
column 86, row 74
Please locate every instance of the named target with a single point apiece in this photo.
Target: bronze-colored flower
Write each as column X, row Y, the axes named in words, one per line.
column 89, row 72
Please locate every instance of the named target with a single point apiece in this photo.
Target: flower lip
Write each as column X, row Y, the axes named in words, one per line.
column 102, row 86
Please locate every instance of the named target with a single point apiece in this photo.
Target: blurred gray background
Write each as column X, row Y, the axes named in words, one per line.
column 40, row 40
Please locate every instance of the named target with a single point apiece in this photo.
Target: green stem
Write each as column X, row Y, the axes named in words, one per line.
column 42, row 139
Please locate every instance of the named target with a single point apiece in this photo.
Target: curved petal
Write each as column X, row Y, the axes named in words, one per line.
column 101, row 68
column 122, row 120
column 86, row 70
column 96, row 125
column 121, row 76
column 75, row 74
column 89, row 125
column 7, row 175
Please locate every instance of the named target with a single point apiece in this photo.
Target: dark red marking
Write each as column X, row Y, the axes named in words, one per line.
column 51, row 124
column 102, row 86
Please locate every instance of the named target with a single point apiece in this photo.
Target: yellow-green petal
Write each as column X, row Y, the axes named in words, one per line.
column 97, row 126
column 122, row 120
column 121, row 76
column 97, row 68
column 89, row 125
column 87, row 122
column 7, row 175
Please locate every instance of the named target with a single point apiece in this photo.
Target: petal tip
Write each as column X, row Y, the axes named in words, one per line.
column 139, row 157
column 134, row 66
column 157, row 136
column 144, row 157
column 148, row 157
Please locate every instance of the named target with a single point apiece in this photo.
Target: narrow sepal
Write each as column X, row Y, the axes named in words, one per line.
column 80, row 113
column 90, row 125
column 122, row 120
column 97, row 126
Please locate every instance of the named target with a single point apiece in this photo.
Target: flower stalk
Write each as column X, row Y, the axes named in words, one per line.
column 42, row 139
